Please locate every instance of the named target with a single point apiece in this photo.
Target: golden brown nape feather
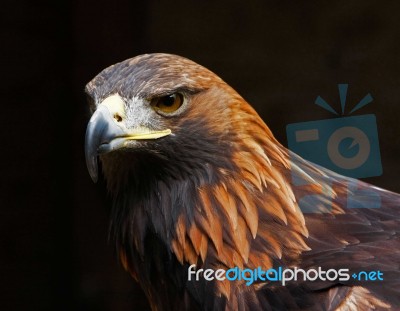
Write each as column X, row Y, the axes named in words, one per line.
column 219, row 193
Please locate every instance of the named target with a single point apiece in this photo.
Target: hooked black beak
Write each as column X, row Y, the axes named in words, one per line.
column 106, row 133
column 101, row 130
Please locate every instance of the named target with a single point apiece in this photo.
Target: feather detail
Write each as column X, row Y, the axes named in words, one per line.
column 190, row 254
column 272, row 242
column 251, row 218
column 226, row 257
column 241, row 240
column 203, row 247
column 260, row 259
column 224, row 288
column 361, row 299
column 247, row 164
column 274, row 208
column 195, row 236
column 181, row 231
column 210, row 224
column 227, row 205
column 178, row 250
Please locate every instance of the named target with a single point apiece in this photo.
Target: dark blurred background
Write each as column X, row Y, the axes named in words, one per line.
column 279, row 55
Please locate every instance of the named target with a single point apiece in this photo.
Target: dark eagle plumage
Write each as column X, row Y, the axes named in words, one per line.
column 198, row 178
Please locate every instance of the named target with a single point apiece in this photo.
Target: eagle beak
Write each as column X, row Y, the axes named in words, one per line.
column 106, row 132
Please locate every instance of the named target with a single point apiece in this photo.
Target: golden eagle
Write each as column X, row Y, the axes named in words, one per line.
column 198, row 181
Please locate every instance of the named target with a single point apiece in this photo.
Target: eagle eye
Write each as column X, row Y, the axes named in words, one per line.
column 168, row 103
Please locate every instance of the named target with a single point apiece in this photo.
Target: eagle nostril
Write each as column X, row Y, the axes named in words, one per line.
column 117, row 117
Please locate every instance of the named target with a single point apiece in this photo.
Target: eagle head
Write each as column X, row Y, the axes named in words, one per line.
column 164, row 109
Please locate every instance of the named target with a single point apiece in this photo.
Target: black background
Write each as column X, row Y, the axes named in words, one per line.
column 279, row 55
